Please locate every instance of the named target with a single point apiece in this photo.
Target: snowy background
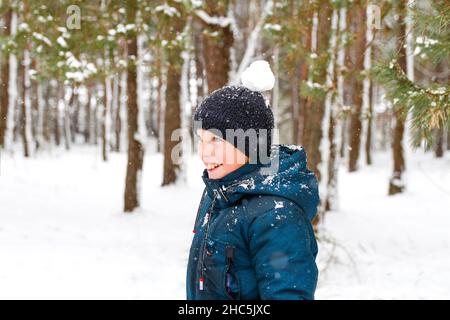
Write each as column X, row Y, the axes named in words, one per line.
column 63, row 233
column 343, row 70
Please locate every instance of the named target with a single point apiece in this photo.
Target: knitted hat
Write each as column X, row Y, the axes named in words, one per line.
column 240, row 114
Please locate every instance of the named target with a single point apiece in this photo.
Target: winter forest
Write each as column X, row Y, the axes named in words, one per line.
column 96, row 95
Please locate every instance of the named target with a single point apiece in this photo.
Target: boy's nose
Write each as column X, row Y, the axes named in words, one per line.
column 206, row 151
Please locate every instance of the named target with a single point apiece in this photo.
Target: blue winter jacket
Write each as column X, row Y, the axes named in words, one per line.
column 253, row 237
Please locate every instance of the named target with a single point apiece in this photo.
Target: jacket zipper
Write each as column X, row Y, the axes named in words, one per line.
column 210, row 209
column 194, row 230
column 229, row 260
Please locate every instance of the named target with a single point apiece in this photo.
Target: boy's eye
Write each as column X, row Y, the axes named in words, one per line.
column 217, row 140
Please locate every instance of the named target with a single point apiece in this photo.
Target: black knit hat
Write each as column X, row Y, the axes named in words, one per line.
column 238, row 107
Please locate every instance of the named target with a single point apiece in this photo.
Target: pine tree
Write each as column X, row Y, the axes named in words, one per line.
column 135, row 147
column 429, row 105
column 355, row 65
column 173, row 23
column 217, row 39
column 316, row 88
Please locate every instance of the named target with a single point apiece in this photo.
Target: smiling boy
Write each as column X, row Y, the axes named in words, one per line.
column 253, row 237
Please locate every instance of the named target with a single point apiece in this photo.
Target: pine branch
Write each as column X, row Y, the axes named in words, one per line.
column 429, row 107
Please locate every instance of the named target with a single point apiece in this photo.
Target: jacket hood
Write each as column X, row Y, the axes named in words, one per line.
column 285, row 176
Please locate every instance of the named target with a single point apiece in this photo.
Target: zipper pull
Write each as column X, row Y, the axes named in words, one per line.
column 228, row 281
column 201, row 284
column 230, row 254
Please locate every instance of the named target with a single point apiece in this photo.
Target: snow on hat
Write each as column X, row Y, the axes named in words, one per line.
column 241, row 107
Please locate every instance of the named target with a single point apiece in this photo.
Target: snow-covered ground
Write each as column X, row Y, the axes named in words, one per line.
column 395, row 247
column 63, row 234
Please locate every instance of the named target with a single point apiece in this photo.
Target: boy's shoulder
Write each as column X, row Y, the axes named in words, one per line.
column 255, row 205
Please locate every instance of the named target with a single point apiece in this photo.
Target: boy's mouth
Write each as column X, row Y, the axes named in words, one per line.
column 211, row 167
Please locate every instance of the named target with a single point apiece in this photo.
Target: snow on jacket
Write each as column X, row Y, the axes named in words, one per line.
column 253, row 237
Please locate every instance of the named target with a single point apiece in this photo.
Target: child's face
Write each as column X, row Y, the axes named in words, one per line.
column 219, row 156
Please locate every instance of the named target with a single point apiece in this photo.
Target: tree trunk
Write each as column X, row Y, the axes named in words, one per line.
column 305, row 13
column 369, row 126
column 172, row 117
column 200, row 63
column 295, row 97
column 35, row 114
column 75, row 107
column 135, row 147
column 105, row 121
column 439, row 148
column 315, row 106
column 371, row 101
column 396, row 182
column 349, row 83
column 47, row 114
column 88, row 116
column 172, row 114
column 344, row 126
column 442, row 78
column 95, row 121
column 67, row 116
column 4, row 78
column 24, row 114
column 217, row 41
column 118, row 121
column 200, row 67
column 304, row 68
column 56, row 114
column 330, row 202
column 358, row 25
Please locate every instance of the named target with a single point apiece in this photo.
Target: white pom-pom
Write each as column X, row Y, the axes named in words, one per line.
column 258, row 76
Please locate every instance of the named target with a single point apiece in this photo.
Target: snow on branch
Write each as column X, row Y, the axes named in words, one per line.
column 218, row 21
column 167, row 10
